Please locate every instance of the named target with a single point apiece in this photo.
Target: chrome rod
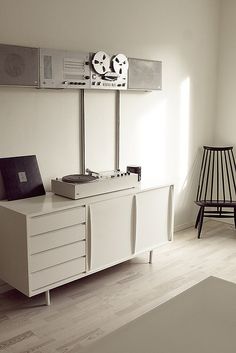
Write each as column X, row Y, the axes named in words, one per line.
column 117, row 129
column 82, row 133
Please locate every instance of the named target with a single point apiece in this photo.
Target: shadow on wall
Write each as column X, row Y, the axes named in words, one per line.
column 186, row 194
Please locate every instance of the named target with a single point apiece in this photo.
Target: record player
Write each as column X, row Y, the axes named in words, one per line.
column 78, row 186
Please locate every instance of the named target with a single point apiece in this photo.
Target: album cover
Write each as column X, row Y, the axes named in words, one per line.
column 21, row 177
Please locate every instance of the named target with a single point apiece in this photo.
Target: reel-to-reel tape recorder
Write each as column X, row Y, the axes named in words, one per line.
column 67, row 69
column 109, row 72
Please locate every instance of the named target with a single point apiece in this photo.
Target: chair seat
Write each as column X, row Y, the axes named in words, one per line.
column 215, row 203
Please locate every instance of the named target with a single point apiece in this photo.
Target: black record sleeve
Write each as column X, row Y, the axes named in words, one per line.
column 21, row 177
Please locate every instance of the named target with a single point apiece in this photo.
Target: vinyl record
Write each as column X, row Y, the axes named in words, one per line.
column 101, row 62
column 78, row 178
column 120, row 64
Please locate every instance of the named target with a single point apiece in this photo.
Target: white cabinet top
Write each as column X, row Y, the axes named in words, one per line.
column 50, row 202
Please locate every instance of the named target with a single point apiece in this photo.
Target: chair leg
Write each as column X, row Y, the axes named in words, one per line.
column 200, row 221
column 198, row 217
column 235, row 217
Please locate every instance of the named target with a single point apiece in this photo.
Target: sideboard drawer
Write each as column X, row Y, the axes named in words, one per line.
column 56, row 256
column 57, row 273
column 56, row 220
column 55, row 238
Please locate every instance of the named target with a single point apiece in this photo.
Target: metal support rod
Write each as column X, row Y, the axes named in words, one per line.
column 82, row 132
column 117, row 129
column 47, row 298
column 150, row 256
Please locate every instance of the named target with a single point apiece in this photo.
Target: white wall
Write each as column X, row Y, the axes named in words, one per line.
column 226, row 100
column 225, row 126
column 161, row 131
column 42, row 123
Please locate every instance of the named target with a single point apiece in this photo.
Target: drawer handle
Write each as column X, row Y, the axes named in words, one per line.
column 134, row 235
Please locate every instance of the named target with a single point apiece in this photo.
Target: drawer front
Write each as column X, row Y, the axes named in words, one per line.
column 57, row 273
column 60, row 237
column 56, row 220
column 56, row 256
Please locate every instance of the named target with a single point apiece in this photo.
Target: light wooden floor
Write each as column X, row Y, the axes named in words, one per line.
column 88, row 309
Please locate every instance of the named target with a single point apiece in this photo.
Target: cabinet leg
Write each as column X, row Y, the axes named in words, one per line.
column 150, row 256
column 47, row 298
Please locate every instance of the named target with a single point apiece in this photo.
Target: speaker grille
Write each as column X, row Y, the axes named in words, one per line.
column 19, row 65
column 145, row 74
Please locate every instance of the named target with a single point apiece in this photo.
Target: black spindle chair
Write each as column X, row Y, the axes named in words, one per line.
column 216, row 186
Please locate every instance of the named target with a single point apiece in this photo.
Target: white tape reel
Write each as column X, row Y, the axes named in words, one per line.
column 101, row 62
column 120, row 64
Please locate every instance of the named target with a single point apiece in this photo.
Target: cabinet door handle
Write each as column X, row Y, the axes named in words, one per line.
column 171, row 213
column 134, row 236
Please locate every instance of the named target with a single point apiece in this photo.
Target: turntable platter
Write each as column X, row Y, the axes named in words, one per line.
column 78, row 178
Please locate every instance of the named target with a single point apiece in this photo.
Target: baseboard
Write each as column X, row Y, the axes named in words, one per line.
column 4, row 287
column 183, row 226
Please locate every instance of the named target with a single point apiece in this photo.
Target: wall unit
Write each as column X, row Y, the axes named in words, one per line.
column 55, row 68
column 49, row 240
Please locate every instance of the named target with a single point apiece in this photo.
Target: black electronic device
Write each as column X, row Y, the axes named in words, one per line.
column 135, row 170
column 21, row 177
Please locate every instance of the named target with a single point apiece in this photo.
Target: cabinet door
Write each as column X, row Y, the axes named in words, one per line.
column 153, row 218
column 111, row 232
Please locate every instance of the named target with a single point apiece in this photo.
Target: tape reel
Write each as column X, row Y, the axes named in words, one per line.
column 101, row 62
column 120, row 64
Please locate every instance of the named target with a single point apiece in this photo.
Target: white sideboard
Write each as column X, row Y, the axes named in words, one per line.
column 50, row 240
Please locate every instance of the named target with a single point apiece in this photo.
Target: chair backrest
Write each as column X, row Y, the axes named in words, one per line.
column 217, row 175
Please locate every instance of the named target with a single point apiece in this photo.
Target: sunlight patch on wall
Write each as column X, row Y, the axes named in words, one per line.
column 152, row 132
